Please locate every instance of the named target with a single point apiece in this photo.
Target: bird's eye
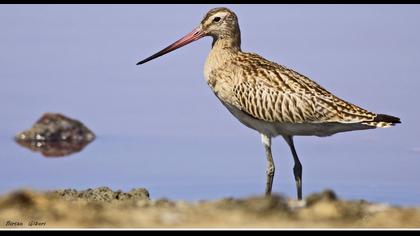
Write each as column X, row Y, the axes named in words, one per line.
column 216, row 19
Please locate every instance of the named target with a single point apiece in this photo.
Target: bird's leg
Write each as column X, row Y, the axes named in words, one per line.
column 270, row 168
column 297, row 168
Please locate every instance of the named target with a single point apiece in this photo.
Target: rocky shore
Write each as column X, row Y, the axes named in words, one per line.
column 103, row 207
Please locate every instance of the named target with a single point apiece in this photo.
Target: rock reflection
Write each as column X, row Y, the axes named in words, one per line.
column 55, row 135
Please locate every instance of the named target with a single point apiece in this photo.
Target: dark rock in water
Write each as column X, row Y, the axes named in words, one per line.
column 55, row 135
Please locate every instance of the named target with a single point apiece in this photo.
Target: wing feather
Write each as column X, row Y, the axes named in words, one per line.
column 274, row 93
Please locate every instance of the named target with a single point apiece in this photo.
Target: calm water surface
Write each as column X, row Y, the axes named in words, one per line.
column 159, row 126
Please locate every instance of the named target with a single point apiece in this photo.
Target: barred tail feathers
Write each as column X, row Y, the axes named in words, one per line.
column 383, row 121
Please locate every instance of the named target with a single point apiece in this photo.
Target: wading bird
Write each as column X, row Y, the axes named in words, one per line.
column 268, row 97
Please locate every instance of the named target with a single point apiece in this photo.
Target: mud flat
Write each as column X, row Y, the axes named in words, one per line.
column 103, row 207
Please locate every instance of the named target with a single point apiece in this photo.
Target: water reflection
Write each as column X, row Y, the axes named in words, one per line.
column 55, row 135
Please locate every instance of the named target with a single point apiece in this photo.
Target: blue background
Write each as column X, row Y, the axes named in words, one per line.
column 159, row 126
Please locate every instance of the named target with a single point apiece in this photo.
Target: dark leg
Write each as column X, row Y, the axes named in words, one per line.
column 297, row 168
column 270, row 168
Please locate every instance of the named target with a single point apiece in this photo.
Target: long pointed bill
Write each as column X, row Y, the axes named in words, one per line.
column 196, row 34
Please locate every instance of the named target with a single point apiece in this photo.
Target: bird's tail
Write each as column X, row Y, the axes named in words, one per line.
column 383, row 121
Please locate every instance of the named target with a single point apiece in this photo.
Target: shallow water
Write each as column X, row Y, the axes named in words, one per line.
column 159, row 126
column 193, row 169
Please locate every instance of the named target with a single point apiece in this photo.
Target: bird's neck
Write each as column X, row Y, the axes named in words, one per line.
column 223, row 50
column 231, row 41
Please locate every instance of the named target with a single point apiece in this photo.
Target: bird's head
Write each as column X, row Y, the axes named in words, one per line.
column 220, row 23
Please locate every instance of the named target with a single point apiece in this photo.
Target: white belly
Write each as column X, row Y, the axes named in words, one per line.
column 292, row 129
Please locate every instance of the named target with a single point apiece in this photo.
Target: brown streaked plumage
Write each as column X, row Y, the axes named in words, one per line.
column 268, row 97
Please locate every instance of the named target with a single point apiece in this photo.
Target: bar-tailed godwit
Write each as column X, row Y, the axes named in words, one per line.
column 268, row 97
